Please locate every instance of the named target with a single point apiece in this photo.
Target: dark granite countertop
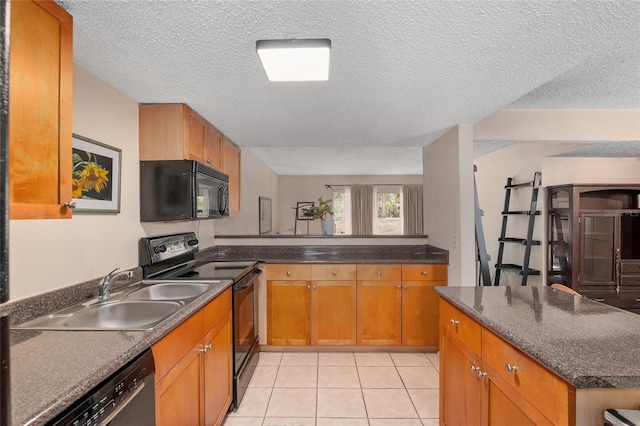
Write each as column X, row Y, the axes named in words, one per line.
column 328, row 254
column 589, row 344
column 52, row 369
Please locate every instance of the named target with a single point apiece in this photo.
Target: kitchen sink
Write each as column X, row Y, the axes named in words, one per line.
column 169, row 291
column 141, row 306
column 130, row 315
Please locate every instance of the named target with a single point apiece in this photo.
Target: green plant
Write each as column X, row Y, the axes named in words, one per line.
column 321, row 211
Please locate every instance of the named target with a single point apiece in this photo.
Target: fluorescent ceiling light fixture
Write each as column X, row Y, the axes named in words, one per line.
column 295, row 60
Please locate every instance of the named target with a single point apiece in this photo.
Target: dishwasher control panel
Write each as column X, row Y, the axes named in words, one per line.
column 107, row 403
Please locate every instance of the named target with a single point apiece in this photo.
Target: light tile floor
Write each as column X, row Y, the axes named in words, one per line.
column 341, row 389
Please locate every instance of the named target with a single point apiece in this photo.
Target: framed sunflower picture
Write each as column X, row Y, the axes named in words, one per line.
column 95, row 176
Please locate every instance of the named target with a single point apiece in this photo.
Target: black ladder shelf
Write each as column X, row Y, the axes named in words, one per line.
column 484, row 277
column 524, row 270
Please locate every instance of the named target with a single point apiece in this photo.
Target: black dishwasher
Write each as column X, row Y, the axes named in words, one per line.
column 127, row 398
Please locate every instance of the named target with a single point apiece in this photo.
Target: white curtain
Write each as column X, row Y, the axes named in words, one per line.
column 362, row 208
column 412, row 209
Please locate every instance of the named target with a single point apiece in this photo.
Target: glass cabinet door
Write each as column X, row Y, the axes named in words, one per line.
column 559, row 238
column 598, row 251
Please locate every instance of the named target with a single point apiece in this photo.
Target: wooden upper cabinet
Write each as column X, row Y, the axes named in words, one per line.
column 231, row 166
column 40, row 110
column 170, row 132
column 213, row 147
column 176, row 132
column 195, row 128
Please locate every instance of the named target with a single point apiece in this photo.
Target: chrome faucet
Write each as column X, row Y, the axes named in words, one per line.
column 107, row 280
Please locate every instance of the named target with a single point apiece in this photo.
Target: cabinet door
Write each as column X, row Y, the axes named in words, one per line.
column 460, row 386
column 598, row 249
column 502, row 405
column 420, row 316
column 40, row 110
column 218, row 372
column 213, row 148
column 195, row 129
column 231, row 166
column 333, row 313
column 288, row 312
column 379, row 313
column 178, row 394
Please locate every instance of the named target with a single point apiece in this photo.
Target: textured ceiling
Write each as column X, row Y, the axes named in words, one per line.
column 402, row 72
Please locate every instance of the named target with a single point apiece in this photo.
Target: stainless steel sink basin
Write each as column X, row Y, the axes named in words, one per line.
column 130, row 315
column 169, row 291
column 140, row 306
column 115, row 315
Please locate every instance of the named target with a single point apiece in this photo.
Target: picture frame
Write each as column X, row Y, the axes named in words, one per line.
column 95, row 176
column 264, row 215
column 303, row 205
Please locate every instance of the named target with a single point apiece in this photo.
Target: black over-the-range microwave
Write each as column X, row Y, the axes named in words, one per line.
column 182, row 190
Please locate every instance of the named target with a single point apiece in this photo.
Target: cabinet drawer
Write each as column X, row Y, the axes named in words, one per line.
column 333, row 272
column 379, row 272
column 455, row 323
column 630, row 267
column 288, row 272
column 217, row 309
column 624, row 299
column 542, row 388
column 424, row 272
column 630, row 280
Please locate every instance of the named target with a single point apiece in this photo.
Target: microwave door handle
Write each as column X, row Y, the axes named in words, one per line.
column 222, row 200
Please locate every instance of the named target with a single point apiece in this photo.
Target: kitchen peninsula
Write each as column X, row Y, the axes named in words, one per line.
column 535, row 355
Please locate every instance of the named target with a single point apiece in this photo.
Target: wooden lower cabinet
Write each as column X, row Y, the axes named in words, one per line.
column 218, row 364
column 288, row 312
column 333, row 313
column 347, row 304
column 306, row 311
column 486, row 381
column 459, row 386
column 194, row 368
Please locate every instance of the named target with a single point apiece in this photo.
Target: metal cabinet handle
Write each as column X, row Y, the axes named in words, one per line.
column 288, row 273
column 454, row 322
column 424, row 272
column 334, row 273
column 474, row 369
column 399, row 286
column 511, row 368
column 71, row 204
column 405, row 287
column 637, row 299
column 315, row 286
column 481, row 374
column 206, row 348
column 599, row 299
column 379, row 273
column 308, row 287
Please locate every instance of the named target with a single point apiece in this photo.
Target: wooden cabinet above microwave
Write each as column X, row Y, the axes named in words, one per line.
column 177, row 132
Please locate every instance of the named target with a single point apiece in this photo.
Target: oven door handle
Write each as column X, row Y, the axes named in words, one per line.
column 248, row 280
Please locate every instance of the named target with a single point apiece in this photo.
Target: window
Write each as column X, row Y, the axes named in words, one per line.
column 387, row 219
column 342, row 210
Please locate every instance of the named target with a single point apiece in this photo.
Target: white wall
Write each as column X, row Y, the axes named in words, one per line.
column 258, row 180
column 553, row 125
column 561, row 170
column 520, row 162
column 293, row 189
column 45, row 255
column 448, row 201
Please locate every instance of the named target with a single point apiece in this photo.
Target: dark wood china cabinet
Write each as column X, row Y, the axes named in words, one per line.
column 594, row 241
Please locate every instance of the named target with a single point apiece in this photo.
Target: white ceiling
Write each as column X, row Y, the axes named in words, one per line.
column 402, row 72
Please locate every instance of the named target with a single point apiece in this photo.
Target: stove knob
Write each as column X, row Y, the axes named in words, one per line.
column 163, row 248
column 156, row 249
column 193, row 242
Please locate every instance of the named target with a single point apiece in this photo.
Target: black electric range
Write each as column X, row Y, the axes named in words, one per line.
column 173, row 257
